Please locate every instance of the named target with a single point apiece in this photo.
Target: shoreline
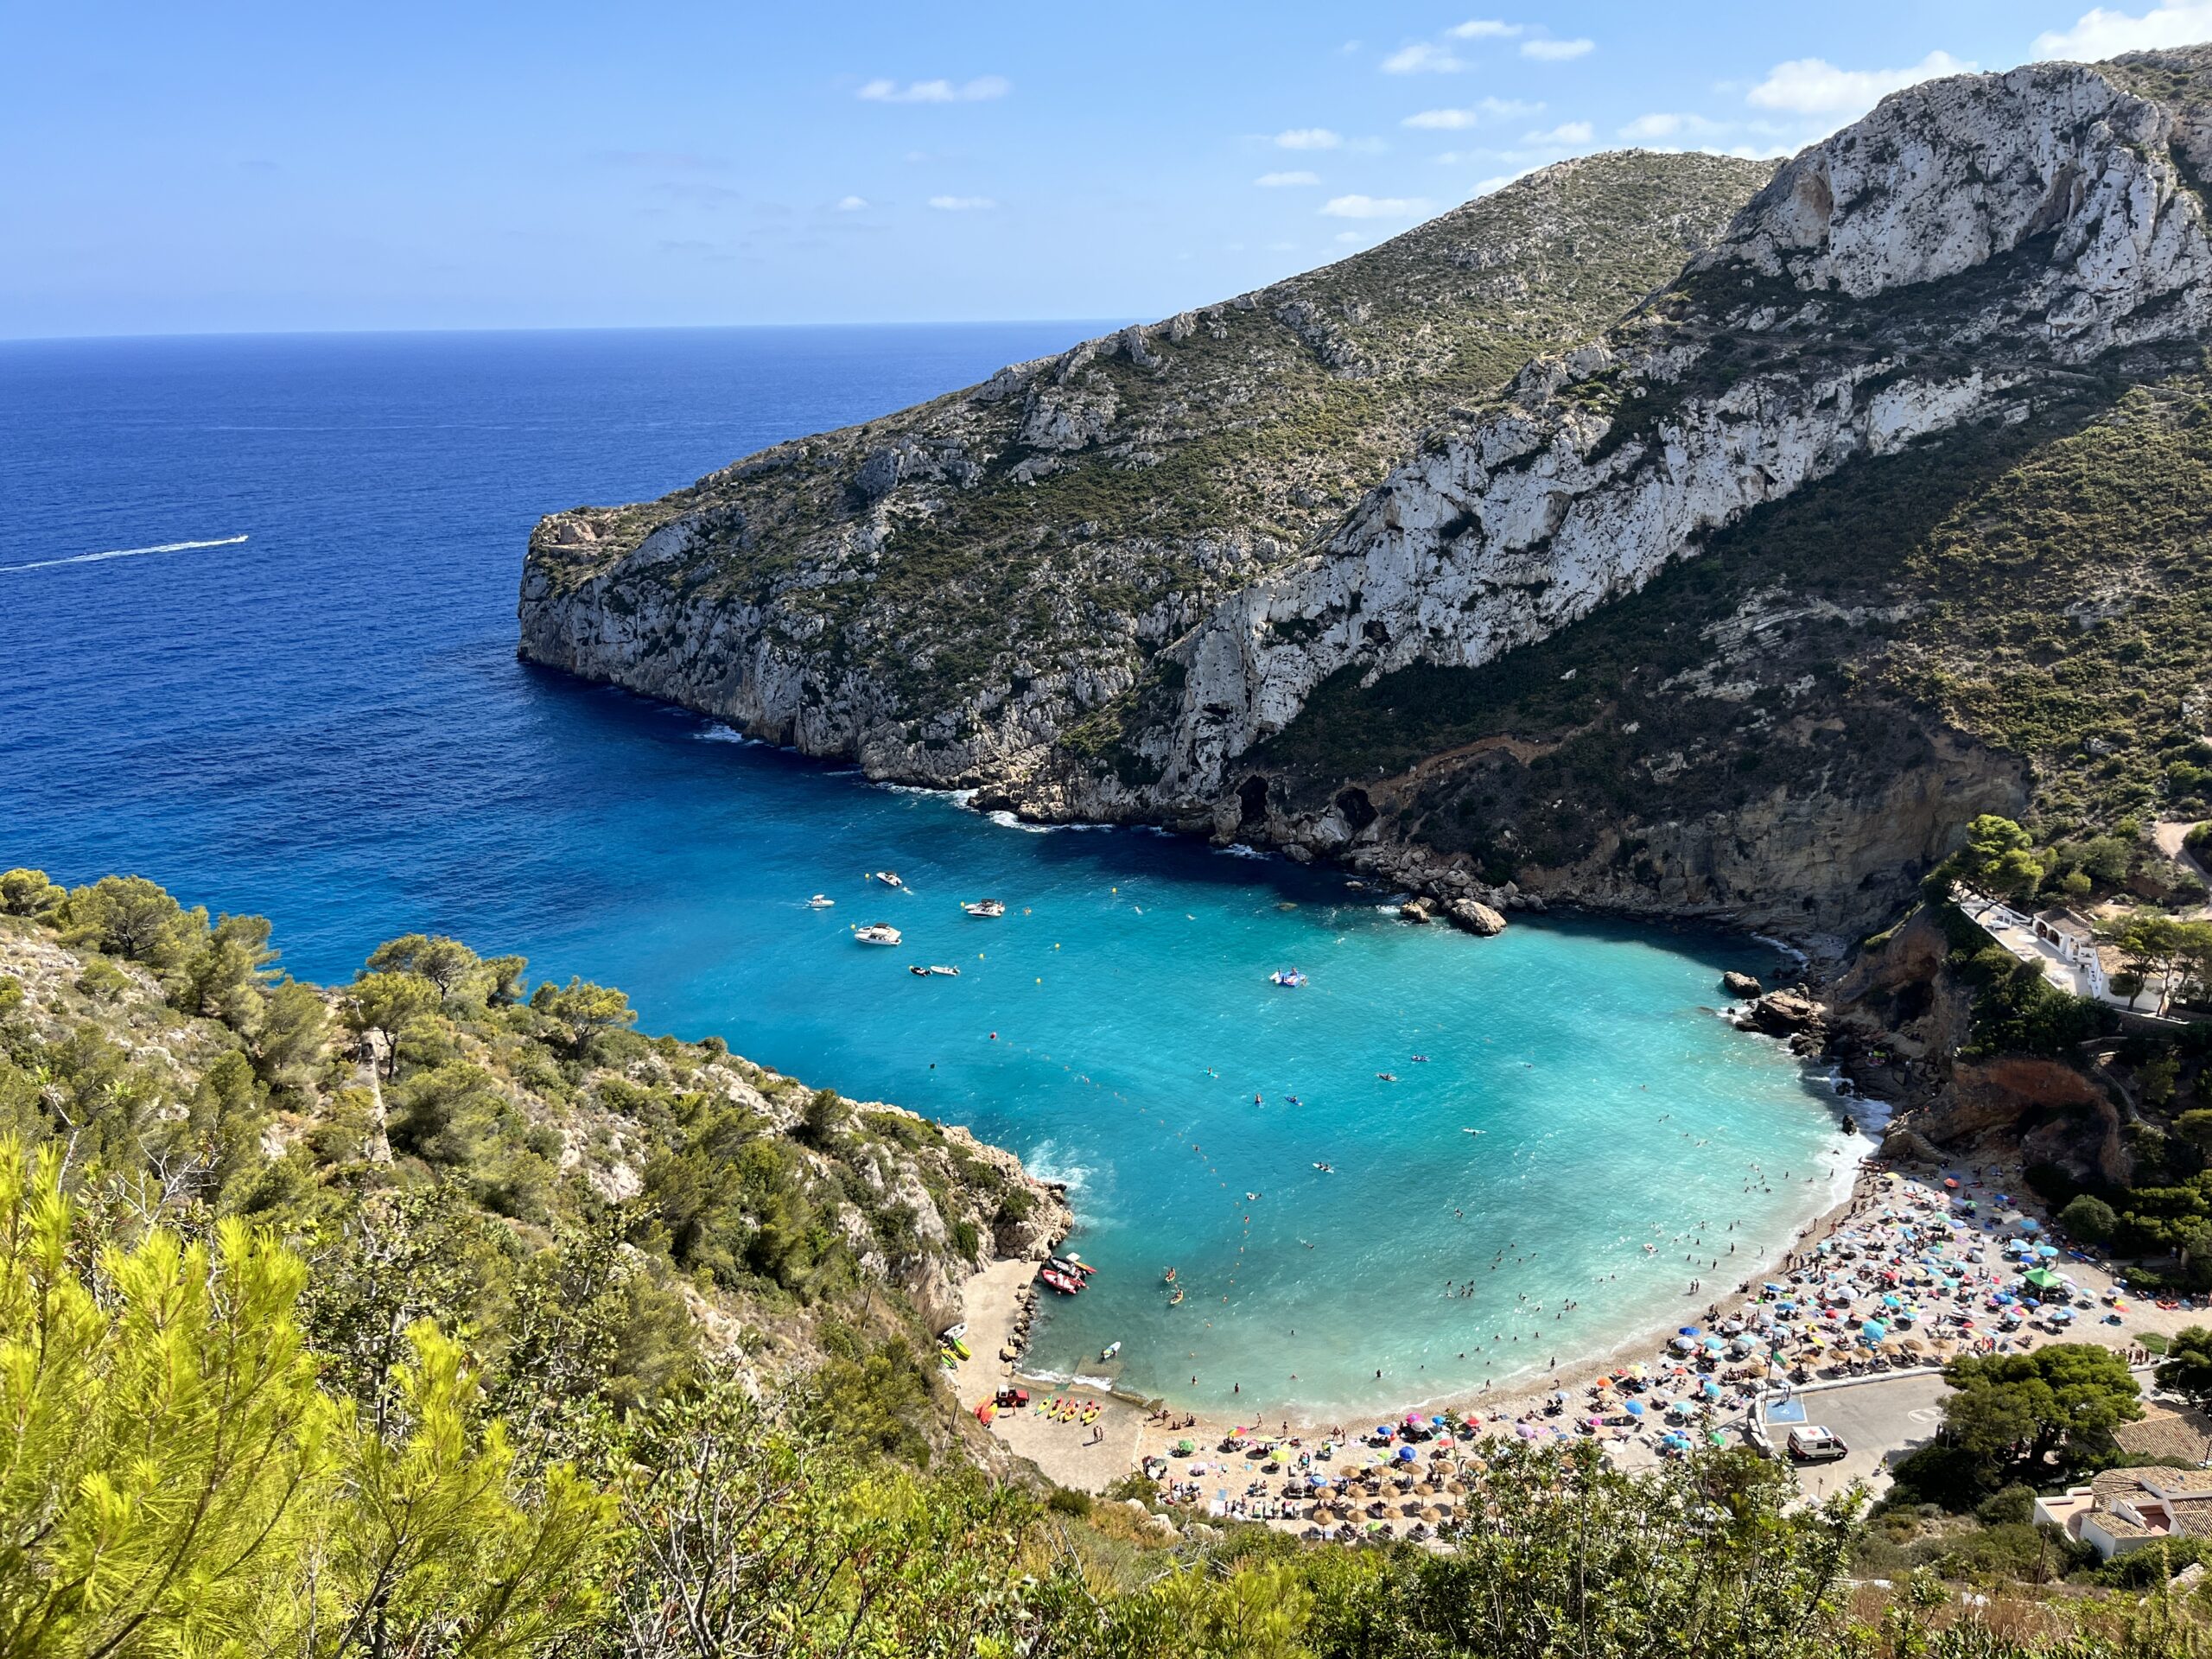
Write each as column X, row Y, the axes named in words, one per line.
column 1128, row 1427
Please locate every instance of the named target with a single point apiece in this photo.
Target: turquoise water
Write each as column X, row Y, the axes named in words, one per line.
column 326, row 723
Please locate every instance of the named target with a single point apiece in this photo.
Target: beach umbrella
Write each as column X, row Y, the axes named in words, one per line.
column 1873, row 1331
column 1636, row 1408
column 1712, row 1391
column 1525, row 1431
column 1686, row 1331
column 2047, row 1251
column 1713, row 1344
column 1406, row 1453
column 2029, row 1224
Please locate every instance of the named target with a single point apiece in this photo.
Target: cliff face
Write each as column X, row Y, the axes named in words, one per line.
column 949, row 592
column 1924, row 269
column 1982, row 265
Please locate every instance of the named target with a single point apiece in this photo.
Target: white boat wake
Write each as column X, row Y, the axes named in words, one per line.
column 119, row 553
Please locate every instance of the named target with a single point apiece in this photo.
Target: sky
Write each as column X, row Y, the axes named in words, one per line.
column 238, row 166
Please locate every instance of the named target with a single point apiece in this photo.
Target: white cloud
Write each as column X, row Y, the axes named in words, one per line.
column 936, row 92
column 2103, row 34
column 1307, row 138
column 851, row 204
column 1567, row 132
column 1348, row 238
column 1490, row 109
column 1662, row 124
column 1376, row 207
column 1815, row 86
column 1277, row 180
column 1425, row 59
column 1483, row 29
column 962, row 204
column 1556, row 51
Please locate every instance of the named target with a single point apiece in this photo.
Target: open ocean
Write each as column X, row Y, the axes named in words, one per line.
column 259, row 600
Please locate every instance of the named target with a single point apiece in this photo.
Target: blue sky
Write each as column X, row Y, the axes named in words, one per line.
column 242, row 167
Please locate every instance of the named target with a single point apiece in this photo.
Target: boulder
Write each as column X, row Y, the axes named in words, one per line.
column 1417, row 910
column 1903, row 1146
column 1740, row 985
column 1784, row 1013
column 1475, row 916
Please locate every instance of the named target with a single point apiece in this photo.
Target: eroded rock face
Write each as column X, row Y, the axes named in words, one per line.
column 1942, row 263
column 1919, row 270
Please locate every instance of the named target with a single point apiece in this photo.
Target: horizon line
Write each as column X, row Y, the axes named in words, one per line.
column 541, row 329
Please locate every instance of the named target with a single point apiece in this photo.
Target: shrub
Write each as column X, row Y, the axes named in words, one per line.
column 2088, row 1218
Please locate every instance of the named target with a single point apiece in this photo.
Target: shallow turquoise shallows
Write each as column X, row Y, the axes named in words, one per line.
column 326, row 723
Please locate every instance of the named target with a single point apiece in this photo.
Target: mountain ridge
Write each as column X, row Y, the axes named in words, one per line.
column 1981, row 251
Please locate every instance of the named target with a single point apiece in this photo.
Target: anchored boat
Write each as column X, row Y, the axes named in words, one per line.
column 876, row 934
column 983, row 908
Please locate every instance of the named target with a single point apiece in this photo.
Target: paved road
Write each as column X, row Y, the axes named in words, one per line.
column 1881, row 1419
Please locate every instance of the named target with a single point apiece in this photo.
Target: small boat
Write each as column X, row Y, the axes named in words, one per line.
column 1419, row 1059
column 957, row 1347
column 1168, row 1277
column 1067, row 1284
column 983, row 908
column 1074, row 1265
column 876, row 934
column 918, row 971
column 1288, row 978
column 1471, row 1131
column 1177, row 1297
column 1110, row 1351
column 821, row 901
column 889, row 878
column 1326, row 1169
column 939, row 967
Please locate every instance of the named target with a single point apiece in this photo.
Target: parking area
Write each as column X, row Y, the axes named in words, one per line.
column 1880, row 1419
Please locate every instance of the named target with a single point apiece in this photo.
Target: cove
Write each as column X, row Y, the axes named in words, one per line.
column 324, row 722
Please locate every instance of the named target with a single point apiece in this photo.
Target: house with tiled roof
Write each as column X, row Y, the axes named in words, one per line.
column 2123, row 1509
column 2180, row 1436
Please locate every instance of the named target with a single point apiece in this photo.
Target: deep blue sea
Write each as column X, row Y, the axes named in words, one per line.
column 325, row 721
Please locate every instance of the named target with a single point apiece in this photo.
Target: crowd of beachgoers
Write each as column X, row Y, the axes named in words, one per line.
column 1913, row 1270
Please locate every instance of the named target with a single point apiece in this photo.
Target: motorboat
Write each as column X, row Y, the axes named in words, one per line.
column 821, row 901
column 1290, row 978
column 1067, row 1284
column 889, row 878
column 939, row 967
column 876, row 934
column 985, row 907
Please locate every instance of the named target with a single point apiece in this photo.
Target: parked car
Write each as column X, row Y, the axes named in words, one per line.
column 1812, row 1444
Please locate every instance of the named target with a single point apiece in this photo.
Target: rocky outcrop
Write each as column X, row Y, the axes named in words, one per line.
column 1740, row 985
column 1920, row 269
column 1110, row 584
column 1474, row 917
column 948, row 593
column 1787, row 1013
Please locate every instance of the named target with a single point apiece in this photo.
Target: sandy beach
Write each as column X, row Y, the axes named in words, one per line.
column 1945, row 1247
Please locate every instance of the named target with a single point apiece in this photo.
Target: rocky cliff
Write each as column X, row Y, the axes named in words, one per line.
column 1987, row 275
column 949, row 593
